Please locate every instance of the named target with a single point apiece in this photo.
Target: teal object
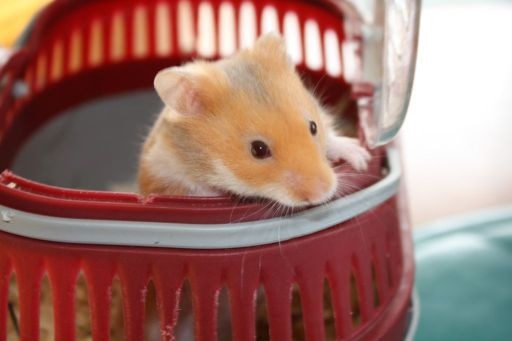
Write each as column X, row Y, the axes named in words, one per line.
column 464, row 278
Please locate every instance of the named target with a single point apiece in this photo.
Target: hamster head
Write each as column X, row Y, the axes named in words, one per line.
column 247, row 125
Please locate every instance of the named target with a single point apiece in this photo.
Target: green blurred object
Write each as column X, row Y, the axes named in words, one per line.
column 464, row 278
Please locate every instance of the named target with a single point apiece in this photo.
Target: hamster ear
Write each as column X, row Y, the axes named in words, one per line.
column 272, row 46
column 179, row 90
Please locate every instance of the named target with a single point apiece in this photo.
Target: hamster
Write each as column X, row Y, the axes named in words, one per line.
column 245, row 125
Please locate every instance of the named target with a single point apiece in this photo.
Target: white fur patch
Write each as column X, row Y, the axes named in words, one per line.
column 165, row 166
column 347, row 148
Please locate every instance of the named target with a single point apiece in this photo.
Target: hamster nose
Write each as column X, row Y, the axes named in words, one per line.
column 312, row 191
column 315, row 193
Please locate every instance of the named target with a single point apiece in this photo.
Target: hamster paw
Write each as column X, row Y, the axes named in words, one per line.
column 349, row 149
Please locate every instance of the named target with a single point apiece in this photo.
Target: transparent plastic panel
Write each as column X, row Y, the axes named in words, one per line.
column 383, row 34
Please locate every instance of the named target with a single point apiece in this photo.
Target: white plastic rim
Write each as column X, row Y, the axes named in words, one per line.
column 203, row 236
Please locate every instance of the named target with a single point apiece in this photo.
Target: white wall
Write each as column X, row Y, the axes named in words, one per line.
column 457, row 138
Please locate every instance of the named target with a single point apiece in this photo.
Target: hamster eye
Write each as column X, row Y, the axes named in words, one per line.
column 312, row 127
column 260, row 150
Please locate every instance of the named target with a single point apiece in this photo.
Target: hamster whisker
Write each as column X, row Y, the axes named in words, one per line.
column 358, row 175
column 345, row 188
column 269, row 209
column 315, row 90
column 265, row 205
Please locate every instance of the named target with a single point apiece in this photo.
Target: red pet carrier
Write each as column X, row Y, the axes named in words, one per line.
column 356, row 248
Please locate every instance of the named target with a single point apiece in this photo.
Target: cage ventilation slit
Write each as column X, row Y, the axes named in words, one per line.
column 297, row 316
column 185, row 325
column 350, row 59
column 41, row 66
column 269, row 20
column 379, row 273
column 355, row 301
column 313, row 45
column 170, row 288
column 293, row 36
column 389, row 262
column 152, row 325
column 140, row 33
column 262, row 322
column 95, row 43
column 186, row 32
column 83, row 310
column 332, row 53
column 10, row 312
column 163, row 29
column 375, row 289
column 247, row 25
column 224, row 316
column 206, row 31
column 117, row 37
column 57, row 61
column 328, row 312
column 117, row 318
column 338, row 278
column 226, row 27
column 6, row 307
column 75, row 48
column 46, row 311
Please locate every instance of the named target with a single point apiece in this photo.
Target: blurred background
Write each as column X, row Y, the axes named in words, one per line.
column 457, row 137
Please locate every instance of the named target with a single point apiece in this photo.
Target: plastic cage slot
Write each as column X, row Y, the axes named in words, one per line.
column 75, row 48
column 46, row 311
column 328, row 312
column 82, row 310
column 247, row 25
column 57, row 61
column 292, row 35
column 313, row 45
column 206, row 31
column 186, row 314
column 117, row 311
column 140, row 32
column 332, row 53
column 117, row 37
column 224, row 315
column 262, row 318
column 96, row 52
column 163, row 27
column 269, row 20
column 297, row 316
column 9, row 310
column 226, row 27
column 186, row 34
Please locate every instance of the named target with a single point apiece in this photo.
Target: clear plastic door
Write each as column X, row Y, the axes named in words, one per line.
column 384, row 34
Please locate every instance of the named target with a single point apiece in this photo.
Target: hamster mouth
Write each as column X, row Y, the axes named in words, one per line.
column 305, row 201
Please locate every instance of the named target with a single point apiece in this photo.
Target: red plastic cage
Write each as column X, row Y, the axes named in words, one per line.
column 359, row 244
